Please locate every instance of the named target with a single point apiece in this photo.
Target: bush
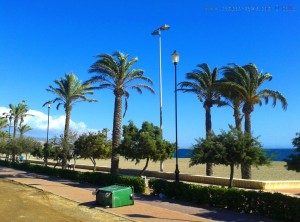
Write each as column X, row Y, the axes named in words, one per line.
column 101, row 179
column 273, row 205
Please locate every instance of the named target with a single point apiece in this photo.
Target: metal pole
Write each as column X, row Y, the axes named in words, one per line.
column 158, row 32
column 177, row 169
column 160, row 81
column 46, row 151
column 48, row 123
column 161, row 165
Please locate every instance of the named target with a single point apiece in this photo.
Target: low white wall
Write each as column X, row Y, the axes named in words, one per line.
column 221, row 181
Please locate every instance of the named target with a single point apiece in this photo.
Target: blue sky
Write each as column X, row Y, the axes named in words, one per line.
column 40, row 41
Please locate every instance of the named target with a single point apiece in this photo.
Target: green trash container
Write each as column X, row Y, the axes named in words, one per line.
column 114, row 196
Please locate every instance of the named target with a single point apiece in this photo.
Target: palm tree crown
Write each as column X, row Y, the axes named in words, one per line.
column 115, row 72
column 69, row 90
column 244, row 82
column 23, row 129
column 202, row 83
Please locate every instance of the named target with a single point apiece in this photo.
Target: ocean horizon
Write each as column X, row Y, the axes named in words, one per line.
column 279, row 154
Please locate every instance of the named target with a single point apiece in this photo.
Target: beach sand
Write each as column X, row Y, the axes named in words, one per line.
column 276, row 171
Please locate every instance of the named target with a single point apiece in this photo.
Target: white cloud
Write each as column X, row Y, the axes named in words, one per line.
column 38, row 121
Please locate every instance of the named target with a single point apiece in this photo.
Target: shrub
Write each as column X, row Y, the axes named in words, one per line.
column 273, row 205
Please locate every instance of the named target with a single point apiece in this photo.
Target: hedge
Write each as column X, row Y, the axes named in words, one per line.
column 273, row 205
column 97, row 178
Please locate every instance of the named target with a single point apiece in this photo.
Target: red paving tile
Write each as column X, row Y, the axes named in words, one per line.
column 142, row 210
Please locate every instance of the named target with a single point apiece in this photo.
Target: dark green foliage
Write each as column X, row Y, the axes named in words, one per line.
column 29, row 144
column 93, row 146
column 230, row 148
column 146, row 143
column 101, row 179
column 293, row 161
column 273, row 205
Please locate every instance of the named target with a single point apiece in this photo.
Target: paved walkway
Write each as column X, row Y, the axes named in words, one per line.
column 145, row 208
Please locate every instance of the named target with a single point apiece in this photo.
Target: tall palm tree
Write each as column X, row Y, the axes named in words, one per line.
column 23, row 128
column 69, row 90
column 115, row 72
column 18, row 112
column 202, row 82
column 245, row 81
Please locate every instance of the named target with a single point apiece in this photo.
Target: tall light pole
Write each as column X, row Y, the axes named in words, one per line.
column 158, row 32
column 175, row 60
column 9, row 116
column 49, row 105
column 46, row 146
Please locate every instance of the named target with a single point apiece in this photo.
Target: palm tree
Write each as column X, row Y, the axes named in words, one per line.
column 244, row 82
column 18, row 112
column 69, row 90
column 23, row 129
column 202, row 83
column 115, row 72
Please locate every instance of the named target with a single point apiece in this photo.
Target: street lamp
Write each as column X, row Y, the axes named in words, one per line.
column 158, row 32
column 49, row 105
column 9, row 116
column 175, row 60
column 46, row 146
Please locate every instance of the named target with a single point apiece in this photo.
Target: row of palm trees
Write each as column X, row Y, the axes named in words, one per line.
column 113, row 72
column 16, row 115
column 238, row 88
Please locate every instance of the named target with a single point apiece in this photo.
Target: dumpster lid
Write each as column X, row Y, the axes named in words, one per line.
column 113, row 188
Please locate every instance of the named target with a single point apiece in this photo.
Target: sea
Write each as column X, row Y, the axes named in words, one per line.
column 276, row 154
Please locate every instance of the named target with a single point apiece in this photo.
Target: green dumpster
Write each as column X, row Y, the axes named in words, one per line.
column 114, row 196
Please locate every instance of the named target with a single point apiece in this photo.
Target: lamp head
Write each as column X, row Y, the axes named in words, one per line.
column 175, row 57
column 164, row 27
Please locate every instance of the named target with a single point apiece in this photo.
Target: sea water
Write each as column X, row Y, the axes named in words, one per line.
column 277, row 154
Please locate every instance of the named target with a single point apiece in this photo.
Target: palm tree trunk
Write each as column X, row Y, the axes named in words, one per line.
column 15, row 127
column 68, row 110
column 208, row 126
column 116, row 136
column 237, row 117
column 248, row 122
column 65, row 150
column 246, row 168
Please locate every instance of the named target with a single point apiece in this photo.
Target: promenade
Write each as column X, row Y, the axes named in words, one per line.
column 146, row 208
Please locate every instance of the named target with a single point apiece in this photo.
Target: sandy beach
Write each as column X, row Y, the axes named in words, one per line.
column 276, row 171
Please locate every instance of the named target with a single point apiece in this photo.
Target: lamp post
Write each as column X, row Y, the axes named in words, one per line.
column 158, row 32
column 9, row 116
column 49, row 105
column 175, row 60
column 46, row 146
